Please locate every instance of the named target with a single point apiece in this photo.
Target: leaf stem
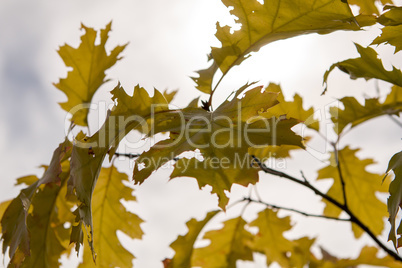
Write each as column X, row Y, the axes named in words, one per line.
column 352, row 216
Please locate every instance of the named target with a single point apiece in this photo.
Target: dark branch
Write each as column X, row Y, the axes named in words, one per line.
column 338, row 166
column 294, row 210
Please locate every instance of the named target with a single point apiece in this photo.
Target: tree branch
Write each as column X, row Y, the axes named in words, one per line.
column 338, row 166
column 293, row 210
column 353, row 217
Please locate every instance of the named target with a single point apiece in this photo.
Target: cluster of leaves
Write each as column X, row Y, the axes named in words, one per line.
column 77, row 197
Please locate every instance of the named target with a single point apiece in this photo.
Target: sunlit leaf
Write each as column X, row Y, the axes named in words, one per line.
column 395, row 199
column 392, row 32
column 110, row 216
column 368, row 7
column 354, row 113
column 229, row 244
column 184, row 245
column 89, row 62
column 368, row 66
column 361, row 187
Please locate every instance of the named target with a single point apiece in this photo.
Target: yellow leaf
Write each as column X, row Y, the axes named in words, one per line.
column 354, row 113
column 368, row 66
column 391, row 33
column 184, row 245
column 3, row 207
column 89, row 62
column 360, row 187
column 110, row 216
column 270, row 240
column 229, row 244
column 368, row 7
column 395, row 199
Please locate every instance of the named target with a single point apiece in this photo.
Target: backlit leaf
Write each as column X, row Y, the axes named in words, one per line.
column 222, row 137
column 184, row 245
column 361, row 187
column 392, row 32
column 395, row 199
column 354, row 113
column 229, row 244
column 89, row 62
column 88, row 153
column 368, row 7
column 110, row 216
column 368, row 66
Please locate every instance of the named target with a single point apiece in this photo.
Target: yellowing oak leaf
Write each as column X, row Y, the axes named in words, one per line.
column 204, row 79
column 110, row 216
column 223, row 138
column 368, row 256
column 361, row 187
column 14, row 221
column 129, row 113
column 354, row 113
column 3, row 207
column 368, row 7
column 229, row 244
column 368, row 66
column 270, row 240
column 89, row 62
column 273, row 20
column 395, row 199
column 184, row 245
column 392, row 32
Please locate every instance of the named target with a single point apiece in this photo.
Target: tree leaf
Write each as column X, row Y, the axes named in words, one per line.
column 368, row 66
column 391, row 33
column 110, row 216
column 205, row 77
column 361, row 187
column 88, row 153
column 229, row 244
column 368, row 7
column 395, row 200
column 367, row 256
column 274, row 20
column 222, row 137
column 14, row 221
column 354, row 113
column 184, row 245
column 49, row 239
column 89, row 62
column 270, row 240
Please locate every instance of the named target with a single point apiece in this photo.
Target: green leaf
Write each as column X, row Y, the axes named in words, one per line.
column 270, row 240
column 222, row 137
column 110, row 216
column 205, row 77
column 368, row 7
column 89, row 62
column 184, row 245
column 368, row 66
column 229, row 244
column 129, row 113
column 391, row 17
column 395, row 200
column 361, row 187
column 354, row 113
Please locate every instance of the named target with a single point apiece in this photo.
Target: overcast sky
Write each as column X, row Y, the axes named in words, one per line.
column 168, row 40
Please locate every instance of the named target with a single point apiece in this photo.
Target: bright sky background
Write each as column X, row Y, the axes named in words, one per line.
column 168, row 41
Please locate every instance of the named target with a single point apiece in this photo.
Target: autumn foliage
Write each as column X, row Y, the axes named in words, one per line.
column 77, row 201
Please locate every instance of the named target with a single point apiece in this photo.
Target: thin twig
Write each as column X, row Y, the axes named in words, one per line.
column 395, row 120
column 294, row 210
column 352, row 216
column 129, row 155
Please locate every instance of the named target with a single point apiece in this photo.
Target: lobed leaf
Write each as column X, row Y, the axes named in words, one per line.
column 184, row 245
column 368, row 7
column 391, row 33
column 395, row 200
column 89, row 62
column 354, row 113
column 110, row 216
column 368, row 66
column 361, row 187
column 273, row 20
column 229, row 244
